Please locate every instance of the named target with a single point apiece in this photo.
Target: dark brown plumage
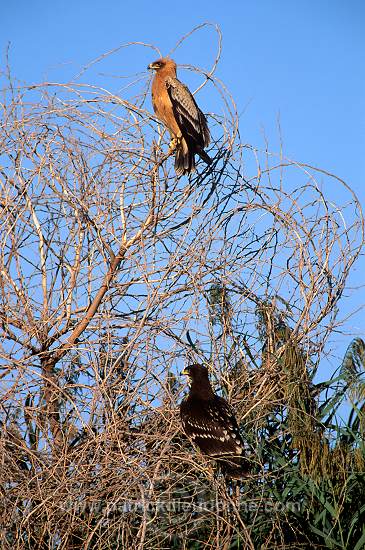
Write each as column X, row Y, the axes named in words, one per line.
column 209, row 422
column 175, row 106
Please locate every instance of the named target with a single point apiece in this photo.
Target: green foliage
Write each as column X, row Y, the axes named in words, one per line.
column 352, row 368
column 329, row 498
column 220, row 307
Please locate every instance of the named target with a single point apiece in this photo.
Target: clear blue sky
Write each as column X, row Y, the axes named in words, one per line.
column 304, row 60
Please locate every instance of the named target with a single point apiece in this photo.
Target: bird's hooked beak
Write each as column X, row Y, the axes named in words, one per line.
column 186, row 373
column 152, row 66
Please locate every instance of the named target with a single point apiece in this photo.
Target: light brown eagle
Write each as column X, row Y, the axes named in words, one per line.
column 175, row 106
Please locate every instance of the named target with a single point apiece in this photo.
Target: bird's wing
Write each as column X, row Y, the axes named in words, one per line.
column 189, row 117
column 225, row 415
column 212, row 426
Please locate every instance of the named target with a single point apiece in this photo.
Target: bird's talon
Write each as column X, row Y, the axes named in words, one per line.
column 174, row 143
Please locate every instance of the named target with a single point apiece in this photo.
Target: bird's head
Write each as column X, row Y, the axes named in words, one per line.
column 165, row 63
column 196, row 373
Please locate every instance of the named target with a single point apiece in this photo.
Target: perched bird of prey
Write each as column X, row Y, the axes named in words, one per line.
column 175, row 106
column 209, row 422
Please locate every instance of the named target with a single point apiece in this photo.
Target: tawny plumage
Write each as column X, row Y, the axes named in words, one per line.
column 209, row 422
column 175, row 106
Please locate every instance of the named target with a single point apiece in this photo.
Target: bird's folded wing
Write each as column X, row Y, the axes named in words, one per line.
column 213, row 428
column 188, row 115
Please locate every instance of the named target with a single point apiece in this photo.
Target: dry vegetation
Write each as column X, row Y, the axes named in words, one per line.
column 113, row 274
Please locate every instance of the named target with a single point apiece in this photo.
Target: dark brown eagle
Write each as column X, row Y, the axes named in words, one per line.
column 209, row 422
column 175, row 106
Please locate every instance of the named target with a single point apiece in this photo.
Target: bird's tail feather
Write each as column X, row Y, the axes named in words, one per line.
column 235, row 468
column 204, row 156
column 184, row 159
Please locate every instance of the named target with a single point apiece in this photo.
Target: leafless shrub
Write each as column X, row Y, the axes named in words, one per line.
column 107, row 268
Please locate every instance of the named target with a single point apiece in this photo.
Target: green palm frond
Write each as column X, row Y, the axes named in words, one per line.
column 353, row 367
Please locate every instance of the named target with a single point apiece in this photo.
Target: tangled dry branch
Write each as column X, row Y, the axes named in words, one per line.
column 107, row 268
